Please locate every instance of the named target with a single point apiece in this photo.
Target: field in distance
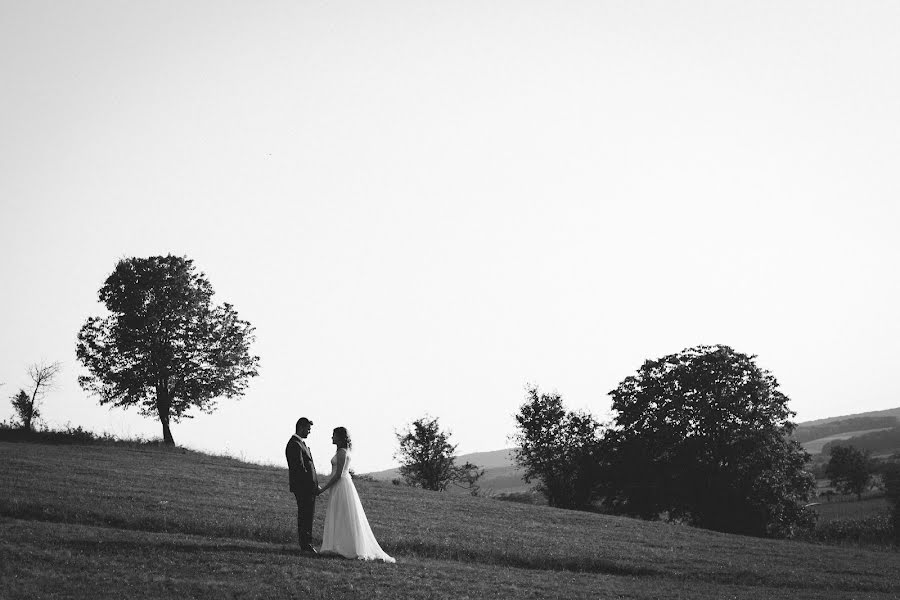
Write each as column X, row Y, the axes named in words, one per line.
column 138, row 522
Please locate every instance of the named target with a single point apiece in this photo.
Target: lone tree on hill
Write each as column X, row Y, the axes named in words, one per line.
column 703, row 436
column 27, row 404
column 427, row 458
column 558, row 449
column 850, row 470
column 164, row 346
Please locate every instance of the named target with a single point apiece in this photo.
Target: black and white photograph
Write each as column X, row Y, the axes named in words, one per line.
column 420, row 299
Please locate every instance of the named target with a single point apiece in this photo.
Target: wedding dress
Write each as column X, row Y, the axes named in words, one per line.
column 347, row 530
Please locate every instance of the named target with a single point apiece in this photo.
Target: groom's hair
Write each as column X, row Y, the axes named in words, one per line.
column 302, row 421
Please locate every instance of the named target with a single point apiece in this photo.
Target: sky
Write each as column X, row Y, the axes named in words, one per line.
column 423, row 207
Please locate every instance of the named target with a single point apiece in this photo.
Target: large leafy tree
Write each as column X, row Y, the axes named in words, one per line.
column 427, row 458
column 703, row 436
column 164, row 347
column 558, row 449
column 850, row 469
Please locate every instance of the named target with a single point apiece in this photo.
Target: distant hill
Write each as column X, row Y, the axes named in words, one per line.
column 871, row 429
column 882, row 442
column 888, row 412
column 818, row 445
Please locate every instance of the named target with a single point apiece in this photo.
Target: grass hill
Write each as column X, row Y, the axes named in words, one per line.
column 105, row 521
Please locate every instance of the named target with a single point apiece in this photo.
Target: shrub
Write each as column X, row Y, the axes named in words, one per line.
column 875, row 530
column 891, row 477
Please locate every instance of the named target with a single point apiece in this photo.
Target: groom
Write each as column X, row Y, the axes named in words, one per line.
column 304, row 482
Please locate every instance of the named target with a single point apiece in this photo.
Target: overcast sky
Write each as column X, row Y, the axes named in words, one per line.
column 423, row 205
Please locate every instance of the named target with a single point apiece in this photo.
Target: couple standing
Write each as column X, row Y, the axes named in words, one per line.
column 347, row 530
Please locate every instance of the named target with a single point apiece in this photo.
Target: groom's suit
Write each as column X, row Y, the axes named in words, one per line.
column 304, row 484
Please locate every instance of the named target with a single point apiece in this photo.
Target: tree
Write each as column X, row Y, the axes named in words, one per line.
column 703, row 436
column 25, row 410
column 27, row 404
column 164, row 347
column 427, row 458
column 559, row 450
column 850, row 470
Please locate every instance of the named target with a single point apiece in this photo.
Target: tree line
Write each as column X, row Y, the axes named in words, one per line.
column 702, row 437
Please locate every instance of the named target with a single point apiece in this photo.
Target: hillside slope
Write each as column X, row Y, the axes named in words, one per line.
column 114, row 522
column 868, row 430
column 888, row 412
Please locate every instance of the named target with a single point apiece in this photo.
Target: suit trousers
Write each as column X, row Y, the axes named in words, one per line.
column 306, row 507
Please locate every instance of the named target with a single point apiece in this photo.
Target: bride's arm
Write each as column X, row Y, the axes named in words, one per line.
column 338, row 469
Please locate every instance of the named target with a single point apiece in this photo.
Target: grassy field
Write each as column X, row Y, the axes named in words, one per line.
column 82, row 521
column 851, row 508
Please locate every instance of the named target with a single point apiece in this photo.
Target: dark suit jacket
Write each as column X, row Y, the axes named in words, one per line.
column 301, row 469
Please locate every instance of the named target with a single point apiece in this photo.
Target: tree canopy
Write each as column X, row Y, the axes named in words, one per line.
column 558, row 449
column 427, row 458
column 850, row 469
column 703, row 436
column 164, row 347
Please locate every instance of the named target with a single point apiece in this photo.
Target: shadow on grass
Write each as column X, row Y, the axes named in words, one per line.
column 151, row 523
column 534, row 560
column 521, row 559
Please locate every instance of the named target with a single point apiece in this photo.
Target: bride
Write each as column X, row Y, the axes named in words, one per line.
column 347, row 530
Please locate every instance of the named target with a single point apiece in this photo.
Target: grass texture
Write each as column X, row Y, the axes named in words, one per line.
column 144, row 522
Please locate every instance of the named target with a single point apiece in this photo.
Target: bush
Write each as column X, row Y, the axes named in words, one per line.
column 10, row 432
column 875, row 530
column 891, row 477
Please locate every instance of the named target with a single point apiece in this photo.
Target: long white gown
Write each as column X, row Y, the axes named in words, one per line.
column 347, row 530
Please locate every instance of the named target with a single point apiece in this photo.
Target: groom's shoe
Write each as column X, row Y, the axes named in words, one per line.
column 308, row 548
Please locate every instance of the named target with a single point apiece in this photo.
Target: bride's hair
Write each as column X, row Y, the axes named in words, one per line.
column 343, row 437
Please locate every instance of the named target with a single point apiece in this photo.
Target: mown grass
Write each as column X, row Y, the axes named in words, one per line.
column 151, row 522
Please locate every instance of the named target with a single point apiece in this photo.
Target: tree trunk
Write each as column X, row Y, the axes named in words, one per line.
column 162, row 407
column 167, row 434
column 37, row 386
